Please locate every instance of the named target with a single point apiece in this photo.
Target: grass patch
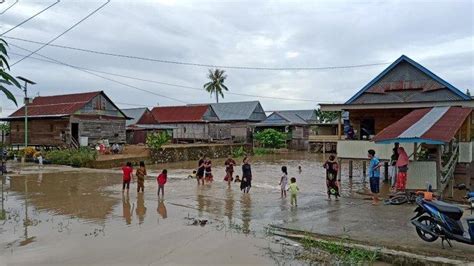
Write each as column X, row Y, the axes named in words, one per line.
column 3, row 215
column 350, row 255
column 78, row 158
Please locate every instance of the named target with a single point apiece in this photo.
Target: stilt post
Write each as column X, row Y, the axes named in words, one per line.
column 350, row 168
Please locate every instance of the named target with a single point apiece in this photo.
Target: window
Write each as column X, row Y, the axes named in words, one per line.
column 51, row 128
column 17, row 128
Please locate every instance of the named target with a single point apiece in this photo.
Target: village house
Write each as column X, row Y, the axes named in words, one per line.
column 70, row 120
column 141, row 124
column 240, row 116
column 296, row 123
column 402, row 95
column 192, row 123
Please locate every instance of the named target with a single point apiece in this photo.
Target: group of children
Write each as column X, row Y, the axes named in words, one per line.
column 204, row 171
column 141, row 173
column 292, row 188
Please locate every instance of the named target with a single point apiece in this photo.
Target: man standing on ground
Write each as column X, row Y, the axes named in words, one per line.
column 374, row 176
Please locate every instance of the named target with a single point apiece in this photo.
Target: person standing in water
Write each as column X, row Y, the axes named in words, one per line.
column 229, row 169
column 293, row 188
column 208, row 170
column 141, row 174
column 246, row 183
column 127, row 176
column 162, row 179
column 332, row 168
column 200, row 169
column 283, row 181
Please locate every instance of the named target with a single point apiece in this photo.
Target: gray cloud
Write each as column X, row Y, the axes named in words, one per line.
column 437, row 34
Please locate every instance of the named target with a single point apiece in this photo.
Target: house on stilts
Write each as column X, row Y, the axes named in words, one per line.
column 409, row 104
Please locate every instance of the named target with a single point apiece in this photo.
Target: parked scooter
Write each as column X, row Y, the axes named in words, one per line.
column 469, row 196
column 438, row 219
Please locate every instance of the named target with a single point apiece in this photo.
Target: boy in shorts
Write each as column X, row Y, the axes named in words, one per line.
column 374, row 174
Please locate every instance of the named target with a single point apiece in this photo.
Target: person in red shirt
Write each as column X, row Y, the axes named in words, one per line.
column 161, row 179
column 127, row 176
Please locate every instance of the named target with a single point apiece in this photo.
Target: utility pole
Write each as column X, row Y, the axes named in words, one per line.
column 25, row 90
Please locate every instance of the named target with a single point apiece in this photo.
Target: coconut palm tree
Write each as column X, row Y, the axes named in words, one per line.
column 216, row 84
column 5, row 78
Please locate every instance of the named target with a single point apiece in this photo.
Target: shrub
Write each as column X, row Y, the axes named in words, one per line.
column 240, row 152
column 156, row 140
column 77, row 158
column 271, row 138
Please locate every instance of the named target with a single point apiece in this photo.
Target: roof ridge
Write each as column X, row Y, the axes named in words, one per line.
column 78, row 93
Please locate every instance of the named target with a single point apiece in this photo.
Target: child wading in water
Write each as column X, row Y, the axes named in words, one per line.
column 127, row 176
column 332, row 167
column 293, row 188
column 141, row 174
column 284, row 181
column 161, row 179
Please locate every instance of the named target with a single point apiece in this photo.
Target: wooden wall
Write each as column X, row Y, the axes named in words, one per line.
column 191, row 131
column 47, row 132
column 382, row 118
column 101, row 128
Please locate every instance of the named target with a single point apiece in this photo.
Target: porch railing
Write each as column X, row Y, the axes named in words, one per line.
column 447, row 170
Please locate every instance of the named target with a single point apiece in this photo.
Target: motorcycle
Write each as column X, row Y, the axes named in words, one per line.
column 438, row 219
column 469, row 196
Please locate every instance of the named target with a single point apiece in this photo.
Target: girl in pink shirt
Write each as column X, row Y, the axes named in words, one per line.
column 161, row 179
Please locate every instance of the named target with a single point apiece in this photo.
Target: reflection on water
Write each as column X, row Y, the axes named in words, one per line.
column 71, row 194
column 161, row 209
column 229, row 205
column 127, row 211
column 246, row 208
column 141, row 209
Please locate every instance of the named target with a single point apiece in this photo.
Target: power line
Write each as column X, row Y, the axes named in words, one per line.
column 100, row 76
column 64, row 32
column 30, row 18
column 181, row 86
column 3, row 12
column 199, row 64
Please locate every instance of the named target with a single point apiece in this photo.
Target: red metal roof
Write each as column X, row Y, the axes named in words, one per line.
column 429, row 125
column 180, row 114
column 56, row 105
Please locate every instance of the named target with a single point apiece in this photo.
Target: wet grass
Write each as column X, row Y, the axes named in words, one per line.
column 339, row 249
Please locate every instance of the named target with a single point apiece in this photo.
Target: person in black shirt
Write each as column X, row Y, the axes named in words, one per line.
column 246, row 183
column 200, row 170
column 392, row 169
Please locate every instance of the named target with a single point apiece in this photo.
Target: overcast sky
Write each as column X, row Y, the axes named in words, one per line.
column 437, row 34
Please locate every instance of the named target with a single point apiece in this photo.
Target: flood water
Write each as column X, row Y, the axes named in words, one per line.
column 75, row 213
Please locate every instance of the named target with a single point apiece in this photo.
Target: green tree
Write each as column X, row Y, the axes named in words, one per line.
column 326, row 116
column 156, row 140
column 216, row 84
column 271, row 138
column 5, row 78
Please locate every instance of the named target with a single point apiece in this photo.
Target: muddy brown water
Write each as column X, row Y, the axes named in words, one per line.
column 77, row 214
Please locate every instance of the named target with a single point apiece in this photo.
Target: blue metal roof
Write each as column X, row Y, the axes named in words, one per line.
column 416, row 65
